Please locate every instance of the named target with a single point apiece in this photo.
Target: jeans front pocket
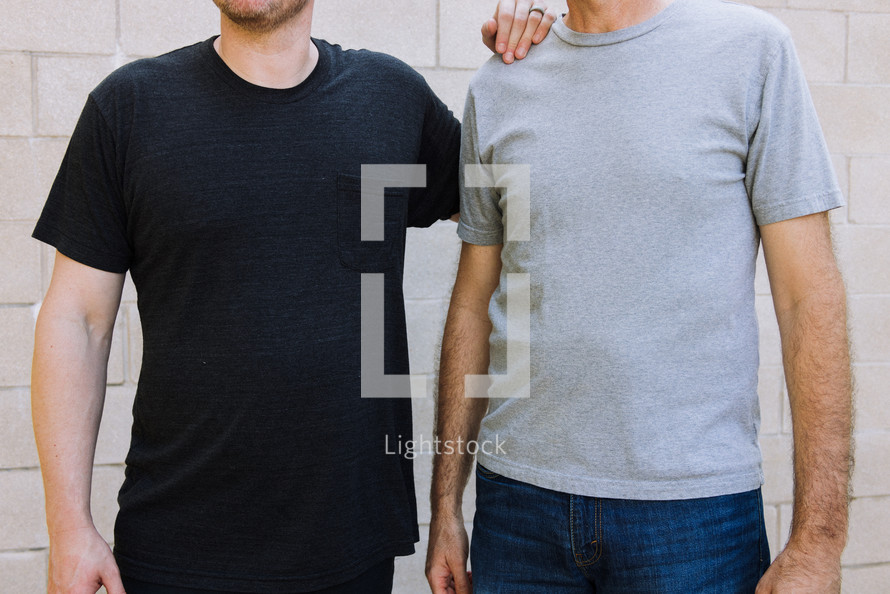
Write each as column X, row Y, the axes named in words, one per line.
column 368, row 256
column 486, row 473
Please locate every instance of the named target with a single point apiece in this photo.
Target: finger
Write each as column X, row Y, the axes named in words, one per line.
column 545, row 25
column 489, row 30
column 525, row 41
column 505, row 14
column 111, row 579
column 520, row 20
column 462, row 584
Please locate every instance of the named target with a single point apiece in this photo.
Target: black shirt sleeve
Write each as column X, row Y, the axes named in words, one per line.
column 84, row 216
column 440, row 152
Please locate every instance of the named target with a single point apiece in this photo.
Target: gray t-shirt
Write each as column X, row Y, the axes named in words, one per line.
column 655, row 152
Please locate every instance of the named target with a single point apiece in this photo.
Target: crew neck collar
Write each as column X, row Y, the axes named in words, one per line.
column 621, row 35
column 268, row 94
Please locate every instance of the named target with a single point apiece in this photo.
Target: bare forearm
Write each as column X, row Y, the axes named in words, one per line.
column 464, row 352
column 817, row 367
column 67, row 395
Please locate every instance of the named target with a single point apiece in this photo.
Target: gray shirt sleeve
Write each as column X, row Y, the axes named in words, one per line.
column 789, row 172
column 481, row 217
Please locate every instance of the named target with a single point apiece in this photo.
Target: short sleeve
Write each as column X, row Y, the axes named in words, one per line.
column 439, row 151
column 789, row 171
column 84, row 217
column 481, row 218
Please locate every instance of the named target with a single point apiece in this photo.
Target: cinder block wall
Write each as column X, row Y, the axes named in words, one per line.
column 52, row 53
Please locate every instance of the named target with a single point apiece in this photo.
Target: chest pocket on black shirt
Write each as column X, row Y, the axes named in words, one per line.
column 368, row 256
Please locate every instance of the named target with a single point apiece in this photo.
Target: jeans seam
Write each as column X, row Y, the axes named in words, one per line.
column 579, row 561
column 598, row 532
column 760, row 527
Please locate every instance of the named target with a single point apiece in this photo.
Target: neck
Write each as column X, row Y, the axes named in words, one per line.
column 278, row 59
column 602, row 16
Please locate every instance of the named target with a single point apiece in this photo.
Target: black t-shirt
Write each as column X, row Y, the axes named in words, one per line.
column 255, row 465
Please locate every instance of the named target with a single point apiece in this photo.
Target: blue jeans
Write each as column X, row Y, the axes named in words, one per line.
column 530, row 540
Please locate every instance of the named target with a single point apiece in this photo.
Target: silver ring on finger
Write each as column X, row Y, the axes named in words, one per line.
column 540, row 9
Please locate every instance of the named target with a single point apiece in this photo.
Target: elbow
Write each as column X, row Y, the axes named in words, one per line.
column 55, row 321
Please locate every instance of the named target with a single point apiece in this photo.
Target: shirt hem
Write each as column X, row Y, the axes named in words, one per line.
column 470, row 235
column 793, row 209
column 257, row 584
column 661, row 490
column 71, row 248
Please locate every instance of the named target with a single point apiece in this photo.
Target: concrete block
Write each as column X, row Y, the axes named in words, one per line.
column 17, row 338
column 870, row 328
column 153, row 27
column 864, row 580
column 864, row 258
column 17, row 448
column 48, row 153
column 48, row 256
column 872, row 405
column 778, row 484
column 431, row 257
column 107, row 481
column 424, row 411
column 19, row 263
column 423, row 473
column 820, row 38
column 63, row 84
column 23, row 572
column 117, row 422
column 761, row 278
column 855, row 119
column 870, row 478
column 460, row 35
column 869, row 46
column 839, row 216
column 771, row 520
column 79, row 26
column 426, row 320
column 21, row 510
column 770, row 342
column 27, row 169
column 786, row 513
column 15, row 95
column 766, row 3
column 841, row 5
column 787, row 424
column 869, row 540
column 129, row 294
column 405, row 29
column 771, row 381
column 870, row 190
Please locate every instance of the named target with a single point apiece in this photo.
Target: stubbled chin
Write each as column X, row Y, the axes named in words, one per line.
column 260, row 15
